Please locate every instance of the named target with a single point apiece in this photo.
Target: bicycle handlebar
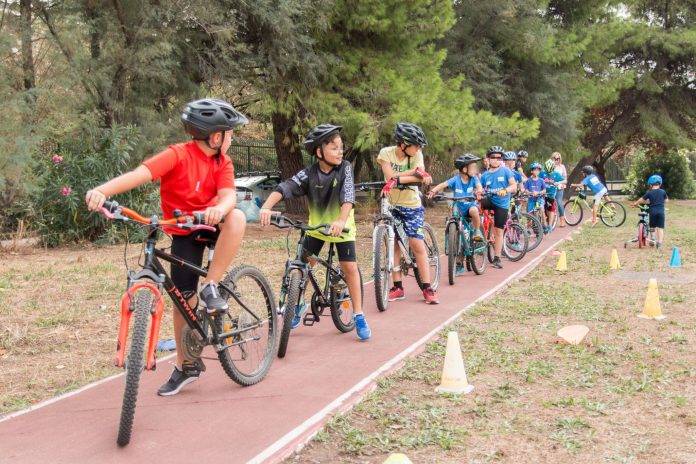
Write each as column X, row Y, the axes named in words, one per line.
column 444, row 197
column 112, row 210
column 283, row 222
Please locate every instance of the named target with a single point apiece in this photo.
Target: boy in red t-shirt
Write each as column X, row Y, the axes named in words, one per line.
column 194, row 176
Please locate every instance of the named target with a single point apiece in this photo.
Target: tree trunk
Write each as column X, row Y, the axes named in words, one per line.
column 28, row 73
column 289, row 156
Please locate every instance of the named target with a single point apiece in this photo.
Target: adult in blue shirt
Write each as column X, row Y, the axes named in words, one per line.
column 554, row 180
column 500, row 182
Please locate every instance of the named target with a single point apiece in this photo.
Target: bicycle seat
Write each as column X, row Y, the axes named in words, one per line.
column 206, row 237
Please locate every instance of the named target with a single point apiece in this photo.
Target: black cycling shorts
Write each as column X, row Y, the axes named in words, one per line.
column 657, row 219
column 500, row 215
column 346, row 250
column 190, row 248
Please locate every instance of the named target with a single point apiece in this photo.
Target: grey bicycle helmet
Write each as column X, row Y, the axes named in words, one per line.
column 509, row 156
column 587, row 170
column 465, row 160
column 319, row 135
column 410, row 134
column 201, row 118
column 495, row 149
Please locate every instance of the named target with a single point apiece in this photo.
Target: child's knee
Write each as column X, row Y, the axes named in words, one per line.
column 235, row 219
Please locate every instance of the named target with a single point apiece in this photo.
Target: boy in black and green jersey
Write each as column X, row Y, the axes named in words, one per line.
column 328, row 185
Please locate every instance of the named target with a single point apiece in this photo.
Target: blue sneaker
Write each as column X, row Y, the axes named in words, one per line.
column 361, row 327
column 299, row 312
column 460, row 270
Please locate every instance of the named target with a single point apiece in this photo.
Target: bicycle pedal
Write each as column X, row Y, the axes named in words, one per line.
column 309, row 319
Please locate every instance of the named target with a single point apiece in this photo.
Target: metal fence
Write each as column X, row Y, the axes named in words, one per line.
column 256, row 155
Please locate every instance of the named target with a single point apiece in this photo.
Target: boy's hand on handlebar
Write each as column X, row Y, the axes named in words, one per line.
column 213, row 215
column 336, row 228
column 265, row 216
column 502, row 192
column 94, row 199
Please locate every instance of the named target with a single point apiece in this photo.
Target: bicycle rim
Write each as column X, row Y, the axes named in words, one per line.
column 515, row 242
column 534, row 229
column 573, row 212
column 612, row 214
column 380, row 267
column 342, row 308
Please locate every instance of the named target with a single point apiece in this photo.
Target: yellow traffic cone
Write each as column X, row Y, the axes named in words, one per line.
column 453, row 373
column 397, row 458
column 651, row 308
column 614, row 261
column 562, row 265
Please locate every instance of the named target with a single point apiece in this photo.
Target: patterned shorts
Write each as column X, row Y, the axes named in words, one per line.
column 412, row 219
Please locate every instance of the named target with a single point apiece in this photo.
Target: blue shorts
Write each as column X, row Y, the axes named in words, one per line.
column 534, row 203
column 465, row 207
column 412, row 219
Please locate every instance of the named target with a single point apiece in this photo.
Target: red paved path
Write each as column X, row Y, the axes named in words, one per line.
column 214, row 419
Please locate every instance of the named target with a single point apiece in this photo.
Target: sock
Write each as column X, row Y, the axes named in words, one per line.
column 397, row 284
column 425, row 286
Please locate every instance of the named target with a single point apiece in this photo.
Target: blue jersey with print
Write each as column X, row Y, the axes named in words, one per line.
column 554, row 176
column 497, row 180
column 464, row 189
column 593, row 182
column 535, row 185
column 518, row 176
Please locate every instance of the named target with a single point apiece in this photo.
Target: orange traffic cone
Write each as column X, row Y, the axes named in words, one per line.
column 453, row 373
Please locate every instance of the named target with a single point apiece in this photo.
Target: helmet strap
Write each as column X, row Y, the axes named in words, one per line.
column 323, row 157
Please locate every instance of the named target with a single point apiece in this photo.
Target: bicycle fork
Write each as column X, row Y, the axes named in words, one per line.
column 127, row 311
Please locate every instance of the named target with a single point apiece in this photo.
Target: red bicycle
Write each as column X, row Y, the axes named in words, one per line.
column 515, row 237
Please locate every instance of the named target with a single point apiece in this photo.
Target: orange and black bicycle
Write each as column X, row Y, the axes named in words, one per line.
column 244, row 337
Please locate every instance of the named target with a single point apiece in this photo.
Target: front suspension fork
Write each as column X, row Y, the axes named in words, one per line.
column 126, row 313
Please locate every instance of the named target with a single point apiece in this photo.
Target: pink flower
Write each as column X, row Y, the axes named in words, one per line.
column 57, row 159
column 65, row 191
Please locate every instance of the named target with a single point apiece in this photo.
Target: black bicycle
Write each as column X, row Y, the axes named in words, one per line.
column 243, row 337
column 303, row 269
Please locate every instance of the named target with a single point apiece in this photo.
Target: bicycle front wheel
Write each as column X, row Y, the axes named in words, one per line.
column 142, row 306
column 477, row 260
column 342, row 308
column 292, row 299
column 380, row 265
column 452, row 248
column 515, row 242
column 247, row 355
column 433, row 252
column 612, row 214
column 534, row 229
column 573, row 212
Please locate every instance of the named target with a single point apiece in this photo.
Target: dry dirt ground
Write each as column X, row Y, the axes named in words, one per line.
column 59, row 315
column 627, row 395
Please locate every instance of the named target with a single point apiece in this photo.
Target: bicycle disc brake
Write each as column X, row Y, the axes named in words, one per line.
column 193, row 343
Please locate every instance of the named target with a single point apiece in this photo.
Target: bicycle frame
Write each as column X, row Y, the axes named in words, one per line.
column 394, row 236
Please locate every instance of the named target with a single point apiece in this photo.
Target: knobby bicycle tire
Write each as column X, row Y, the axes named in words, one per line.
column 452, row 248
column 336, row 309
column 612, row 220
column 292, row 299
column 380, row 267
column 576, row 211
column 433, row 257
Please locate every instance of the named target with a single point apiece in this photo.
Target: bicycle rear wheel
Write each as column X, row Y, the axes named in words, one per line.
column 452, row 249
column 246, row 356
column 433, row 257
column 515, row 242
column 142, row 305
column 612, row 214
column 534, row 229
column 641, row 236
column 573, row 212
column 292, row 299
column 342, row 304
column 380, row 266
column 490, row 249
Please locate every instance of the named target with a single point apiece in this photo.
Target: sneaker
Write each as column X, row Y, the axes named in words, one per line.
column 396, row 294
column 361, row 327
column 460, row 270
column 178, row 380
column 213, row 301
column 497, row 263
column 430, row 296
column 546, row 230
column 299, row 312
column 478, row 236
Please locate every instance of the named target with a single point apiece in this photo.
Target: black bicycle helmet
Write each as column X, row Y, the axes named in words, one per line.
column 465, row 160
column 587, row 170
column 522, row 154
column 317, row 136
column 410, row 134
column 204, row 117
column 495, row 149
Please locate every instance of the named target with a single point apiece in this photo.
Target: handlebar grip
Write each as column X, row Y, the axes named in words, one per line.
column 199, row 218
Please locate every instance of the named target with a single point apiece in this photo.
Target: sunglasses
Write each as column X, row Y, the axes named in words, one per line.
column 495, row 157
column 557, row 159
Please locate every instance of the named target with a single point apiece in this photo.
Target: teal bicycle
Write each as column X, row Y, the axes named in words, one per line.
column 460, row 246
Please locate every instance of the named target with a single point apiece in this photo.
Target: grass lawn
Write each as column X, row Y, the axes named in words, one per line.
column 626, row 395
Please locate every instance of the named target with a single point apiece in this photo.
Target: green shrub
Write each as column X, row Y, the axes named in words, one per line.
column 674, row 168
column 78, row 163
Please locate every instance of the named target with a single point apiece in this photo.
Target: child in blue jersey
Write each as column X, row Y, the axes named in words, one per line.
column 655, row 198
column 510, row 159
column 500, row 182
column 554, row 180
column 465, row 184
column 596, row 187
column 536, row 187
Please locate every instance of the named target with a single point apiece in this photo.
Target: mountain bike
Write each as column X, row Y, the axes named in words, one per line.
column 645, row 234
column 530, row 222
column 332, row 295
column 612, row 213
column 388, row 233
column 460, row 246
column 243, row 337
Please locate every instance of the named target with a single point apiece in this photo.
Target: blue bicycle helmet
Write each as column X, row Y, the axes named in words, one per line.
column 655, row 179
column 535, row 165
column 510, row 156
